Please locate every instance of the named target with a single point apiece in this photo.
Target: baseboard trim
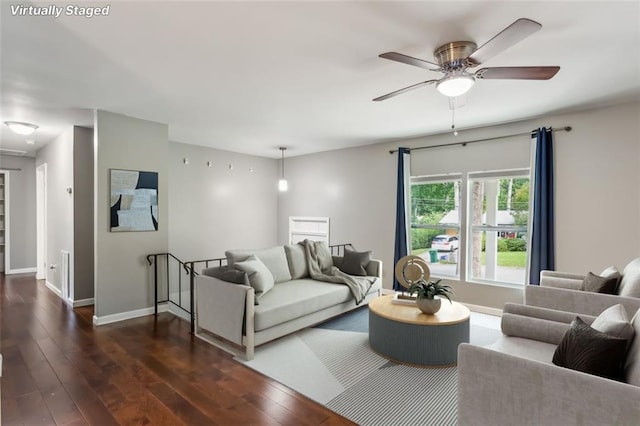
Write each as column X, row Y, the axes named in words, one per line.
column 20, row 271
column 53, row 288
column 484, row 309
column 82, row 302
column 386, row 291
column 123, row 316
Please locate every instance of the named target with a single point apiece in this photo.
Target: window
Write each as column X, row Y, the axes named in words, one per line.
column 435, row 222
column 475, row 219
column 498, row 225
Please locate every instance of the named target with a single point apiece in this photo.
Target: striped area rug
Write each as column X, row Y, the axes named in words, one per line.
column 336, row 367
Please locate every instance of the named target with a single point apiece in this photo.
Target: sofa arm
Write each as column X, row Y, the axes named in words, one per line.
column 561, row 280
column 535, row 323
column 221, row 307
column 580, row 302
column 374, row 268
column 500, row 389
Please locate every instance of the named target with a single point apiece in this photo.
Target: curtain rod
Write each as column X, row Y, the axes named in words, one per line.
column 559, row 129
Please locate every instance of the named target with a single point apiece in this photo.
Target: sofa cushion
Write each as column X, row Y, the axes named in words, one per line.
column 274, row 258
column 611, row 271
column 632, row 363
column 586, row 349
column 630, row 282
column 297, row 260
column 597, row 284
column 614, row 322
column 524, row 348
column 355, row 262
column 259, row 276
column 296, row 298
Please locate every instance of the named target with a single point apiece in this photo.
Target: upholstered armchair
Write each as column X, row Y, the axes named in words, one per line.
column 572, row 292
column 519, row 381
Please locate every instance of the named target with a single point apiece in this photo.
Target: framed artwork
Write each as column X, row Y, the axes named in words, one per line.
column 134, row 200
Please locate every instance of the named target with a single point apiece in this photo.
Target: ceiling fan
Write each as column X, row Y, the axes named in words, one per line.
column 456, row 58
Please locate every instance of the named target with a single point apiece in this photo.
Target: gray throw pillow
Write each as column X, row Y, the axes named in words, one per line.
column 259, row 276
column 597, row 284
column 614, row 322
column 228, row 274
column 355, row 262
column 585, row 349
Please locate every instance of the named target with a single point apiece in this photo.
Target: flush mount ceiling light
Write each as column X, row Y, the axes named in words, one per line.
column 455, row 84
column 21, row 128
column 283, row 185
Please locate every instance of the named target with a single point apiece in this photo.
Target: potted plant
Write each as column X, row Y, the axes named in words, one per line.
column 429, row 295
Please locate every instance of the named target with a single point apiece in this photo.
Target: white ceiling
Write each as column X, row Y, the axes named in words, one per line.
column 253, row 76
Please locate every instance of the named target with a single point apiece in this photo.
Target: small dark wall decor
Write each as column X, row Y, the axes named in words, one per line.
column 134, row 201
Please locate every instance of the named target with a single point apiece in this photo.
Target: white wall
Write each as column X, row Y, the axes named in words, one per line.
column 597, row 197
column 22, row 183
column 213, row 209
column 355, row 188
column 123, row 281
column 58, row 155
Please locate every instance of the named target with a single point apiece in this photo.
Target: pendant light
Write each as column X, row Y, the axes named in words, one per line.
column 283, row 185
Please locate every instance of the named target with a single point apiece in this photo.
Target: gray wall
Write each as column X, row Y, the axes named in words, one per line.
column 122, row 278
column 83, row 213
column 213, row 209
column 58, row 155
column 597, row 179
column 22, row 211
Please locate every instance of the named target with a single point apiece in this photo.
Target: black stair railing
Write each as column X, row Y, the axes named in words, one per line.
column 173, row 277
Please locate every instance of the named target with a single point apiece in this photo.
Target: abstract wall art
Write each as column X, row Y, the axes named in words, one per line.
column 134, row 201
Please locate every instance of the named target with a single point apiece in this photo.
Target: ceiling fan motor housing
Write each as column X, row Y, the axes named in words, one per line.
column 452, row 56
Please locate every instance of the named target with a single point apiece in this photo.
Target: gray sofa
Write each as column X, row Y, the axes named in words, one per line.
column 232, row 315
column 514, row 382
column 563, row 291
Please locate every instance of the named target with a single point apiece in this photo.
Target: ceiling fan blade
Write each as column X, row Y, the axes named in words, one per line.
column 517, row 73
column 519, row 30
column 399, row 57
column 401, row 91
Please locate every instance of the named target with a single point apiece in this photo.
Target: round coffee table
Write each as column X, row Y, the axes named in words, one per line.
column 405, row 335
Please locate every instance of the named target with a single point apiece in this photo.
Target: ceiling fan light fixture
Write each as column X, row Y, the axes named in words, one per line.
column 455, row 85
column 21, row 128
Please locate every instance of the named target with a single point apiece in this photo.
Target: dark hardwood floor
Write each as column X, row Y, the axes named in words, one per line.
column 58, row 369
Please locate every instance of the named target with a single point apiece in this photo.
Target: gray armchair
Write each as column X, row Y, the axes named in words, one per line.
column 514, row 382
column 563, row 291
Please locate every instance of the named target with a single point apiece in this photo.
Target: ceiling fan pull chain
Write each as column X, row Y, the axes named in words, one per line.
column 453, row 122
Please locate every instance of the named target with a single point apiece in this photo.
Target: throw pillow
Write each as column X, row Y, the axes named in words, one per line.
column 355, row 262
column 585, row 349
column 228, row 274
column 630, row 282
column 614, row 322
column 259, row 276
column 598, row 284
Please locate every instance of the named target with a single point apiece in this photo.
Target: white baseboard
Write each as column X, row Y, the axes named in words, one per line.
column 20, row 271
column 483, row 309
column 82, row 302
column 53, row 288
column 178, row 312
column 386, row 291
column 123, row 316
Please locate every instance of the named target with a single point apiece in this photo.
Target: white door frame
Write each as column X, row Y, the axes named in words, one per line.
column 41, row 221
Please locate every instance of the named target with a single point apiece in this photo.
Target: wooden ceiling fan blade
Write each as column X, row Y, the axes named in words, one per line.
column 410, row 60
column 519, row 30
column 517, row 73
column 401, row 91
